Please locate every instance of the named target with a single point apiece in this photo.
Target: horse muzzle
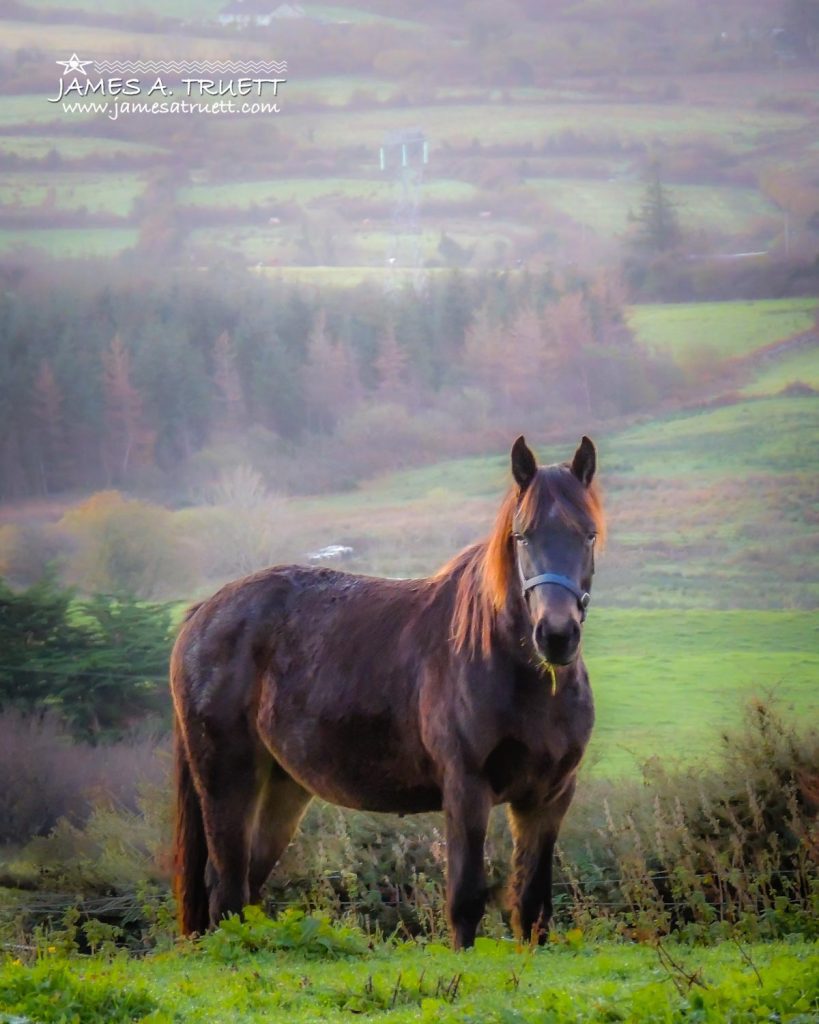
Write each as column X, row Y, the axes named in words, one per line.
column 558, row 646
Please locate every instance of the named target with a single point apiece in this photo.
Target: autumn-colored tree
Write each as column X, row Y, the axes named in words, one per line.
column 332, row 384
column 607, row 302
column 525, row 372
column 571, row 334
column 483, row 355
column 230, row 407
column 391, row 367
column 513, row 364
column 569, row 325
column 47, row 412
column 127, row 441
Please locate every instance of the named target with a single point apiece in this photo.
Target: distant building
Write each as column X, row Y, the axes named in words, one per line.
column 258, row 12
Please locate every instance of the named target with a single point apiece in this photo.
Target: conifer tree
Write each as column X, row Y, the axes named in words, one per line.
column 332, row 384
column 127, row 442
column 230, row 411
column 47, row 410
column 658, row 227
column 391, row 366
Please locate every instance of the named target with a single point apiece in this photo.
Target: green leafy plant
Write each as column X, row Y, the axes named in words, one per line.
column 52, row 993
column 254, row 932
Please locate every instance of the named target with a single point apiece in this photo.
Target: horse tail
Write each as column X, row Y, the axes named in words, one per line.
column 190, row 847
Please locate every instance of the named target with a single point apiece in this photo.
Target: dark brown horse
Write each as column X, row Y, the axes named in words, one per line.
column 459, row 692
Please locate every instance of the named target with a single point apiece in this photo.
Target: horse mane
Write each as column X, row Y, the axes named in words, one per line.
column 484, row 571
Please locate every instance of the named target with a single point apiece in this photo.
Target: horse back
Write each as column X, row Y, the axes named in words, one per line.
column 326, row 670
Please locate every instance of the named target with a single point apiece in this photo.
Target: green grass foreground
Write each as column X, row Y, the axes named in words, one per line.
column 303, row 969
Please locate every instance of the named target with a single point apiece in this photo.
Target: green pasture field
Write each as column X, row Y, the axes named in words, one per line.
column 338, row 276
column 800, row 366
column 194, row 10
column 35, row 147
column 500, row 123
column 495, row 983
column 244, row 194
column 724, row 330
column 354, row 250
column 92, row 41
column 207, row 10
column 337, row 90
column 372, row 244
column 667, row 683
column 66, row 190
column 342, row 13
column 606, row 206
column 35, row 109
column 733, row 441
column 70, row 242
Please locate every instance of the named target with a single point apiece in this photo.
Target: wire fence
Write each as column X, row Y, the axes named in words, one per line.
column 130, row 906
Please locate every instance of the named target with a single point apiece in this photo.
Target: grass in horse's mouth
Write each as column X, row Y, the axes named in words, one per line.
column 548, row 669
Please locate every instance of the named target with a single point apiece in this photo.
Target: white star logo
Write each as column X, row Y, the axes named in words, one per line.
column 74, row 64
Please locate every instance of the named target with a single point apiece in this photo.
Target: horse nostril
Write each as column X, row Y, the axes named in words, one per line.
column 541, row 636
column 558, row 646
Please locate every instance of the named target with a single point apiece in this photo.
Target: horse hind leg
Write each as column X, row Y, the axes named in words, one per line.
column 279, row 810
column 229, row 788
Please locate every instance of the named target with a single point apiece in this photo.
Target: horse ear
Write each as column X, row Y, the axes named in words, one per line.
column 585, row 461
column 524, row 464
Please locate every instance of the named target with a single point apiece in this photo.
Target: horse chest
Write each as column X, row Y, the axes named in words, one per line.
column 543, row 742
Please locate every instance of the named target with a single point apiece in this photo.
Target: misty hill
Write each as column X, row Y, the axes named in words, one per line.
column 540, row 129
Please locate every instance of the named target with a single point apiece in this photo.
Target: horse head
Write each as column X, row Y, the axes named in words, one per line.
column 554, row 527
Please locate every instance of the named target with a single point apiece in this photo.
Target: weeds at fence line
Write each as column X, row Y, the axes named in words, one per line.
column 701, row 856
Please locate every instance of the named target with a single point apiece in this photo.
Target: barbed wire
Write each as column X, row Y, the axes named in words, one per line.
column 52, row 903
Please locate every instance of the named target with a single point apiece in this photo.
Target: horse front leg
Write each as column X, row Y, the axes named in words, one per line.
column 535, row 827
column 467, row 803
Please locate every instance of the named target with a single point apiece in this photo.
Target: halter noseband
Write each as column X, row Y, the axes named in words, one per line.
column 558, row 580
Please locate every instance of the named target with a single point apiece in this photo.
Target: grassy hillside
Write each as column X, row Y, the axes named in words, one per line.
column 708, row 509
column 690, row 331
column 796, row 367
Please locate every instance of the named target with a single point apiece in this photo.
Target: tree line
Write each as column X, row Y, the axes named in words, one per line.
column 117, row 376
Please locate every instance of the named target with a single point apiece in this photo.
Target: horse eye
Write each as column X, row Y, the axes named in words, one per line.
column 592, row 537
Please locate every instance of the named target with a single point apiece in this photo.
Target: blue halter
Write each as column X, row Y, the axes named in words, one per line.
column 583, row 596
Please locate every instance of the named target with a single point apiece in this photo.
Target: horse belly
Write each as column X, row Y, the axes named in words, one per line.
column 359, row 759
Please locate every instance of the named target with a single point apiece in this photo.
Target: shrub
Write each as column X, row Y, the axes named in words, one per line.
column 46, row 777
column 100, row 664
column 42, row 777
column 126, row 545
column 27, row 551
column 240, row 531
column 387, row 436
column 703, row 851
